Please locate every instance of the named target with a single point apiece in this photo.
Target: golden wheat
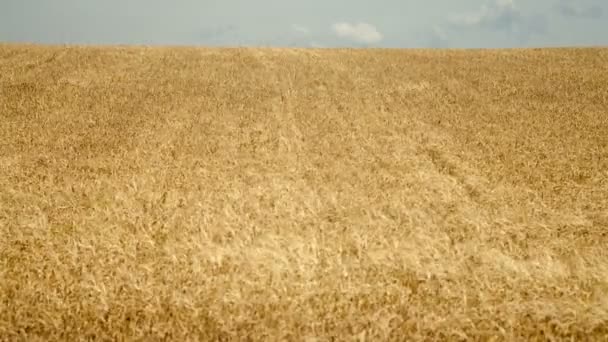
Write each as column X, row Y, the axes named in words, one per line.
column 302, row 194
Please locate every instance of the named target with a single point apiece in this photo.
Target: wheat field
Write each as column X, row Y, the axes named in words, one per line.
column 182, row 193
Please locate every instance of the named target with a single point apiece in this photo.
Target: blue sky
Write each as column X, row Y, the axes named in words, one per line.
column 311, row 23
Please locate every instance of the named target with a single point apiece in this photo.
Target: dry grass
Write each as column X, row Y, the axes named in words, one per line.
column 275, row 194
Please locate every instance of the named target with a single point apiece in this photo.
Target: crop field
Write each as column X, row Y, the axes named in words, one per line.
column 177, row 193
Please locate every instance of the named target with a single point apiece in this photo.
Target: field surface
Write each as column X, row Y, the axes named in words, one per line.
column 314, row 195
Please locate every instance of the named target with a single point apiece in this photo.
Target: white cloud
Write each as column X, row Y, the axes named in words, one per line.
column 501, row 14
column 300, row 29
column 360, row 33
column 571, row 10
column 494, row 21
column 438, row 38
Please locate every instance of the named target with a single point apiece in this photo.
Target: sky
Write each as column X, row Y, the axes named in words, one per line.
column 310, row 23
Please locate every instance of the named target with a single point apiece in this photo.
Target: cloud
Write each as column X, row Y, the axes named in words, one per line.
column 360, row 33
column 501, row 16
column 302, row 36
column 498, row 15
column 437, row 38
column 216, row 35
column 570, row 10
column 300, row 29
